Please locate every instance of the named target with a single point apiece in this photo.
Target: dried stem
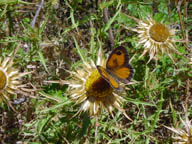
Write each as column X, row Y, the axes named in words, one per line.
column 180, row 20
column 37, row 14
column 187, row 92
column 185, row 36
column 96, row 128
column 111, row 37
column 169, row 8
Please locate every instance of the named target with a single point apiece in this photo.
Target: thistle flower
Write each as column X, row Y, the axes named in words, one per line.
column 156, row 38
column 88, row 88
column 190, row 60
column 10, row 83
column 183, row 135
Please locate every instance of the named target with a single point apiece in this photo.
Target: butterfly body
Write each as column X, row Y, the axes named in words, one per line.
column 117, row 68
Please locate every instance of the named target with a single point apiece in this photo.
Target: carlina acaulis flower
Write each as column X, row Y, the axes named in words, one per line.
column 10, row 83
column 88, row 88
column 156, row 38
column 183, row 135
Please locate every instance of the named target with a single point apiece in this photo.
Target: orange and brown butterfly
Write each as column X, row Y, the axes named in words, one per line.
column 117, row 68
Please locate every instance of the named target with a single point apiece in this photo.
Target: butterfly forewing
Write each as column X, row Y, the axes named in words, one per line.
column 118, row 58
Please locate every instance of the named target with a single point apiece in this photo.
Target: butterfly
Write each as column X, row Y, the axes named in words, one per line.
column 117, row 68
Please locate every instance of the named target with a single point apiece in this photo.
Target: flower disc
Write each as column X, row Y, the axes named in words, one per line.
column 3, row 80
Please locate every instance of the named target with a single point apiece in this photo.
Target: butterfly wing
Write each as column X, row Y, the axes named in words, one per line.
column 109, row 78
column 124, row 74
column 118, row 57
column 118, row 64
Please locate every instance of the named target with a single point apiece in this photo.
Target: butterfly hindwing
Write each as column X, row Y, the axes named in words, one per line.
column 118, row 64
column 109, row 78
column 124, row 74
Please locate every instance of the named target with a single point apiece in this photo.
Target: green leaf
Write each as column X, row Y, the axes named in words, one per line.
column 42, row 60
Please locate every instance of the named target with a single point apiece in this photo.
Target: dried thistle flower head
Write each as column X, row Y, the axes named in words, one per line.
column 156, row 38
column 95, row 94
column 183, row 135
column 10, row 83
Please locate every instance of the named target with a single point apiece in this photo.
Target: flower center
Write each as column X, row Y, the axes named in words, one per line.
column 3, row 80
column 190, row 139
column 97, row 86
column 158, row 32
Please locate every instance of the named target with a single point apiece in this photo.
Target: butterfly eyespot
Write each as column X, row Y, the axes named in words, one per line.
column 118, row 53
